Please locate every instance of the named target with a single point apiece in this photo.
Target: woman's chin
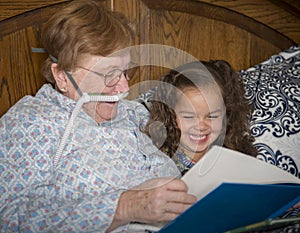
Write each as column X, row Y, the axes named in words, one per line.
column 107, row 111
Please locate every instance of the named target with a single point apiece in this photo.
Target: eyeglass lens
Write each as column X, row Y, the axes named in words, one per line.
column 113, row 77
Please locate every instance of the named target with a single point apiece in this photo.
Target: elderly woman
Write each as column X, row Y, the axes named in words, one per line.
column 72, row 158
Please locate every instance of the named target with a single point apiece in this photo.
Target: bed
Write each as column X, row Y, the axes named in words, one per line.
column 259, row 38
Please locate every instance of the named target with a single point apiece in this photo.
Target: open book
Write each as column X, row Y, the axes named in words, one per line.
column 234, row 190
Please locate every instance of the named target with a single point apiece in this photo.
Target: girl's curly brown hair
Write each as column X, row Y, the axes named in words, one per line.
column 162, row 126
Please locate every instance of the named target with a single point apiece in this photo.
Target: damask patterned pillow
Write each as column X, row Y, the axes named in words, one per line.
column 274, row 88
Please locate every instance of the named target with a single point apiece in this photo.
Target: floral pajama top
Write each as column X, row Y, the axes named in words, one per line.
column 98, row 163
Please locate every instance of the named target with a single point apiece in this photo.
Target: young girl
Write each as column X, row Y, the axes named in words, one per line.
column 198, row 105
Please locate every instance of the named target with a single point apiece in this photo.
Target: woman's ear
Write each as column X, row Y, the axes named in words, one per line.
column 60, row 78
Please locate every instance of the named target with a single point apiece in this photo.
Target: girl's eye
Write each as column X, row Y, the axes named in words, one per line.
column 213, row 116
column 188, row 117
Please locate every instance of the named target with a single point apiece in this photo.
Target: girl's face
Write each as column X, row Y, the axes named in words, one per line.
column 200, row 117
column 92, row 83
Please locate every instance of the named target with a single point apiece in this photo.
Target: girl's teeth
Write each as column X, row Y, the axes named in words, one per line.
column 194, row 137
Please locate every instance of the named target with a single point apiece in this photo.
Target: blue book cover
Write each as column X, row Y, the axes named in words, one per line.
column 233, row 205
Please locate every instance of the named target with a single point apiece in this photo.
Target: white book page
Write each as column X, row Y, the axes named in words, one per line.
column 224, row 165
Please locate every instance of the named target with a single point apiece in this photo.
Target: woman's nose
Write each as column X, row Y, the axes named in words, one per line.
column 122, row 85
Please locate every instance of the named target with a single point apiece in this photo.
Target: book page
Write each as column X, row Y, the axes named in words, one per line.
column 224, row 165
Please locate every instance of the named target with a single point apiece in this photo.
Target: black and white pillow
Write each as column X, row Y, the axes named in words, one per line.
column 274, row 88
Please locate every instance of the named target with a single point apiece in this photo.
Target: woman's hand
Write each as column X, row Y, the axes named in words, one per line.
column 154, row 201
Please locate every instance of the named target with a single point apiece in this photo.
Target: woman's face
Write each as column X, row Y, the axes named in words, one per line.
column 90, row 82
column 200, row 117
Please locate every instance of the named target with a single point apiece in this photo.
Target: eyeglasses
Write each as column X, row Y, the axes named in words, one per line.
column 114, row 76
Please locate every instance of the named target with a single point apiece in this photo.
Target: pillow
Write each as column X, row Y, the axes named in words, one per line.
column 274, row 88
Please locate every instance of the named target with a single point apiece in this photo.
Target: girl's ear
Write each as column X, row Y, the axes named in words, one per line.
column 60, row 77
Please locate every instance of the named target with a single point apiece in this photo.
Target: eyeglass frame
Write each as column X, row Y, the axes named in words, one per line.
column 55, row 60
column 124, row 72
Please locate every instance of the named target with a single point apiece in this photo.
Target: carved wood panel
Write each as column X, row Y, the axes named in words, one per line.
column 242, row 32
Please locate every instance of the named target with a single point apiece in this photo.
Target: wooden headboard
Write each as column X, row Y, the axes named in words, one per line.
column 243, row 32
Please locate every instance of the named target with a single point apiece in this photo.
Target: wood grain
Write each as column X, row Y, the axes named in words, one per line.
column 243, row 32
column 11, row 8
column 282, row 16
column 226, row 15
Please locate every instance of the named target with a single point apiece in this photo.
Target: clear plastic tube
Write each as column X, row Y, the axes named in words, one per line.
column 85, row 98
